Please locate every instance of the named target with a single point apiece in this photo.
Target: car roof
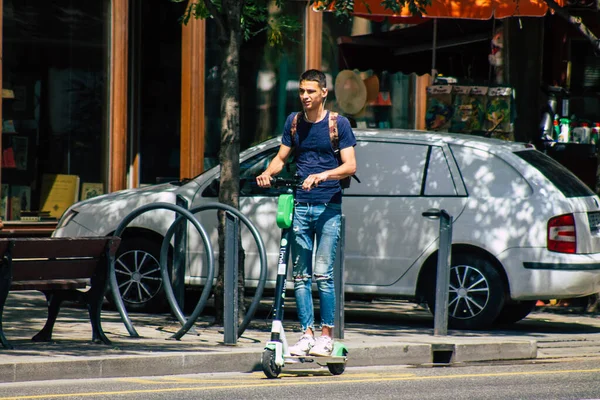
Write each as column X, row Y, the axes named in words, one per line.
column 471, row 140
column 420, row 136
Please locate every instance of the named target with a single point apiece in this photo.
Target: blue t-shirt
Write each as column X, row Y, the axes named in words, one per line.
column 314, row 154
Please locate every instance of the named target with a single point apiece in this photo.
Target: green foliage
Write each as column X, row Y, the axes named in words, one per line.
column 256, row 17
column 342, row 9
column 196, row 10
column 281, row 27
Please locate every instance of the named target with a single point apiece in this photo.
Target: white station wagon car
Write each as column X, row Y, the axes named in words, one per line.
column 525, row 228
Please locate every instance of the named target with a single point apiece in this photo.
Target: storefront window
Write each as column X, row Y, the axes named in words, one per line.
column 55, row 63
column 386, row 99
column 268, row 85
column 155, row 85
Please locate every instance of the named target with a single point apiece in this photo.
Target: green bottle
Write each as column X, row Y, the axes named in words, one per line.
column 564, row 134
column 556, row 124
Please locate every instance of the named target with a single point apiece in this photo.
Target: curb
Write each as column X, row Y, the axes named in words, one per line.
column 445, row 352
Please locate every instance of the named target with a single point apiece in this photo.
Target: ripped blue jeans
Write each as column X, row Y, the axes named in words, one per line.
column 315, row 224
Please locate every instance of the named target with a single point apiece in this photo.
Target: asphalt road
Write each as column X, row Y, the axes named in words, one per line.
column 573, row 379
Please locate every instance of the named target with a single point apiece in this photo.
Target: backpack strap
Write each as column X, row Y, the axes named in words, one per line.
column 294, row 127
column 335, row 140
column 333, row 131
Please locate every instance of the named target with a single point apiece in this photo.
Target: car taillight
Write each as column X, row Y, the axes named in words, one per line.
column 562, row 236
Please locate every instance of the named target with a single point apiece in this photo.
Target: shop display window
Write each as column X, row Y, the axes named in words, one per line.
column 369, row 98
column 155, row 89
column 54, row 105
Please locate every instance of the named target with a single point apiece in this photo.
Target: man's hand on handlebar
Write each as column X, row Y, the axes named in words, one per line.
column 264, row 180
column 313, row 181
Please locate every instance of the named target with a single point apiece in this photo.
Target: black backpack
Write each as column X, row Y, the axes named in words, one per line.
column 335, row 142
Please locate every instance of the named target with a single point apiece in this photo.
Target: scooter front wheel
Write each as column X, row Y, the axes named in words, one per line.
column 336, row 368
column 269, row 367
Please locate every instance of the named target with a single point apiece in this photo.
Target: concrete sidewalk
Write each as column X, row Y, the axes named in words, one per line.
column 380, row 333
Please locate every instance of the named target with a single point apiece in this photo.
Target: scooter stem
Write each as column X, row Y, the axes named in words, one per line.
column 280, row 286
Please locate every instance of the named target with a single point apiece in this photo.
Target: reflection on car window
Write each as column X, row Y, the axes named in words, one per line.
column 249, row 170
column 556, row 173
column 389, row 169
column 439, row 178
column 486, row 175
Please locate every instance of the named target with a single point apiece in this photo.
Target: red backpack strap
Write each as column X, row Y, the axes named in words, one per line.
column 333, row 131
column 294, row 127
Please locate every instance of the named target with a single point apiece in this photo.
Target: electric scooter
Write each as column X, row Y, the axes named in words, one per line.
column 276, row 353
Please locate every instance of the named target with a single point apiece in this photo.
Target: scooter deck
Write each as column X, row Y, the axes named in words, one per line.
column 317, row 359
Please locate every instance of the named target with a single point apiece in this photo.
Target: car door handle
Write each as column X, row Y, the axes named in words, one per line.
column 434, row 213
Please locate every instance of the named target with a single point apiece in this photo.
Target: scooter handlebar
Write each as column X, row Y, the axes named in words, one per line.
column 286, row 182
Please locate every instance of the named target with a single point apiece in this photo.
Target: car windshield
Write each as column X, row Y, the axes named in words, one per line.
column 559, row 175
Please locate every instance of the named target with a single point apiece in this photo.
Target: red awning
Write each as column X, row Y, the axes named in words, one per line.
column 465, row 9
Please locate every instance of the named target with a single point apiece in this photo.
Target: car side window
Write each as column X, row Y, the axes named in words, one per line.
column 439, row 178
column 388, row 169
column 249, row 170
column 488, row 176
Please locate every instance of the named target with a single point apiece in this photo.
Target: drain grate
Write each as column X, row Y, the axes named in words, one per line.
column 442, row 353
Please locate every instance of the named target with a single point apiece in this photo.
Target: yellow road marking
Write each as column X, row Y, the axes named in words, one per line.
column 256, row 377
column 271, row 383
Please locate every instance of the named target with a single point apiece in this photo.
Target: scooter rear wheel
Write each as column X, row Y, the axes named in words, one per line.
column 269, row 367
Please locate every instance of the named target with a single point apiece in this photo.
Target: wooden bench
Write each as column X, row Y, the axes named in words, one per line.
column 61, row 268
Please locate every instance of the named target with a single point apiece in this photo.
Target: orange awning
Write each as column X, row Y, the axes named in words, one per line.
column 467, row 9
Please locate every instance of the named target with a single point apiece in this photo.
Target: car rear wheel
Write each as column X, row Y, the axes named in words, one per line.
column 476, row 293
column 137, row 269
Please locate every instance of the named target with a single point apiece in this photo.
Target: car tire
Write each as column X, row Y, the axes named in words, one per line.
column 476, row 293
column 137, row 269
column 514, row 312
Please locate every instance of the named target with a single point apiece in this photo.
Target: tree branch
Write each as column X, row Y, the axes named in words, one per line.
column 575, row 21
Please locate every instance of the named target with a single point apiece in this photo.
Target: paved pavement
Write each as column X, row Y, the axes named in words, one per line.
column 382, row 332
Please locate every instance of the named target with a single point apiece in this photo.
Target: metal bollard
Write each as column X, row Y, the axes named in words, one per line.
column 231, row 309
column 179, row 255
column 440, row 322
column 338, row 278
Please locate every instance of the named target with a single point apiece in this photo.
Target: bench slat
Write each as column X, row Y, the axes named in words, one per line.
column 58, row 247
column 33, row 270
column 59, row 284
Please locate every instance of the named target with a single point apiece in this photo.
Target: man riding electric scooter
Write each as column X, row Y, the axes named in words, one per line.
column 323, row 145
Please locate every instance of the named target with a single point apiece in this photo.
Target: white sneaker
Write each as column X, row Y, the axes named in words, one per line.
column 303, row 346
column 323, row 347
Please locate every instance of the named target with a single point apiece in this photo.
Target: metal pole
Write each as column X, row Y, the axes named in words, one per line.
column 231, row 310
column 433, row 53
column 443, row 276
column 338, row 278
column 179, row 256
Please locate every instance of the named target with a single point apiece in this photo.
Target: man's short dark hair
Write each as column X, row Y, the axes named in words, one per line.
column 316, row 76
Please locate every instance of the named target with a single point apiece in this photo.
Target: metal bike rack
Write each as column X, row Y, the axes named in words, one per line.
column 176, row 309
column 263, row 267
column 230, row 332
column 440, row 323
column 114, row 285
